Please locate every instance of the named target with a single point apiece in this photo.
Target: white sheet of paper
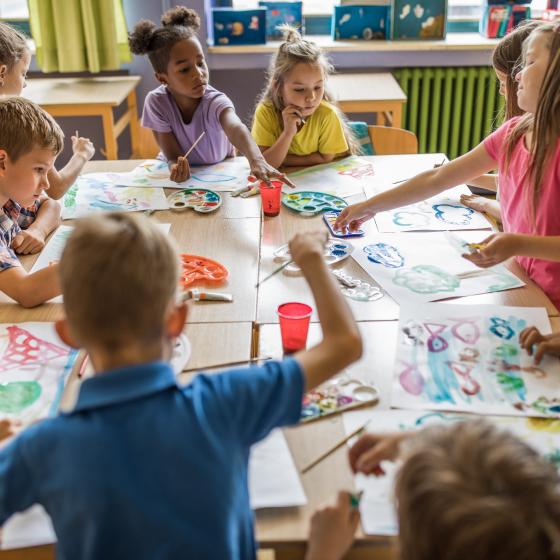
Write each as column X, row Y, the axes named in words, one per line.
column 345, row 177
column 273, row 478
column 468, row 358
column 32, row 527
column 422, row 267
column 439, row 213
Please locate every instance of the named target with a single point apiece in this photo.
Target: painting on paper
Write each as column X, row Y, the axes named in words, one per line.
column 89, row 195
column 425, row 267
column 34, row 366
column 468, row 358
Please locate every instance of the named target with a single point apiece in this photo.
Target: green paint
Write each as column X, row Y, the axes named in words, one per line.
column 503, row 282
column 554, row 458
column 426, row 279
column 510, row 383
column 505, row 351
column 16, row 396
column 70, row 197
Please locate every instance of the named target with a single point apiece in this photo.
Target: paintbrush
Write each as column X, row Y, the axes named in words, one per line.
column 195, row 143
column 279, row 269
column 339, row 444
column 227, row 364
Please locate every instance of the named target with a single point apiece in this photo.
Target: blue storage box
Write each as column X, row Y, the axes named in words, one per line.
column 239, row 27
column 278, row 13
column 421, row 19
column 361, row 22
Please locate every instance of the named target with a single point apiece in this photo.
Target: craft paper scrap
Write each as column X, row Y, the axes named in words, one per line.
column 32, row 527
column 345, row 177
column 34, row 366
column 273, row 478
column 376, row 507
column 88, row 195
column 423, row 267
column 468, row 358
column 439, row 213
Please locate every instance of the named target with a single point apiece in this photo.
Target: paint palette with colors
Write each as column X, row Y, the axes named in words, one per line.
column 310, row 203
column 336, row 250
column 200, row 200
column 201, row 270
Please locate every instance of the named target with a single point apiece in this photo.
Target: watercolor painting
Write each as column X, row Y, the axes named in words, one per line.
column 88, row 195
column 343, row 178
column 376, row 507
column 426, row 267
column 454, row 357
column 34, row 366
column 439, row 213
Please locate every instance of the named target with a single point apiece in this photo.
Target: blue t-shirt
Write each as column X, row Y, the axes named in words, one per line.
column 143, row 468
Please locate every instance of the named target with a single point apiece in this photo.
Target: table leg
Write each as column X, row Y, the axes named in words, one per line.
column 134, row 126
column 111, row 150
column 397, row 115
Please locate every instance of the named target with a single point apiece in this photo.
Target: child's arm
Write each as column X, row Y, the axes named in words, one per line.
column 537, row 344
column 370, row 450
column 342, row 343
column 32, row 240
column 30, row 290
column 489, row 181
column 317, row 158
column 427, row 184
column 239, row 136
column 178, row 165
column 276, row 154
column 332, row 530
column 482, row 204
column 61, row 181
column 499, row 247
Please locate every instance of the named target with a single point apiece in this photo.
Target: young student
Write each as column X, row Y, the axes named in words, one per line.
column 185, row 106
column 41, row 218
column 30, row 140
column 526, row 151
column 143, row 467
column 505, row 60
column 296, row 121
column 467, row 490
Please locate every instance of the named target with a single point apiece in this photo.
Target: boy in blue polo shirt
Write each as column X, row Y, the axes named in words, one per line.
column 141, row 467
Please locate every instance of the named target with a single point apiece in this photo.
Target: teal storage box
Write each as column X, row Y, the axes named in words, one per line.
column 239, row 27
column 361, row 22
column 421, row 19
column 278, row 13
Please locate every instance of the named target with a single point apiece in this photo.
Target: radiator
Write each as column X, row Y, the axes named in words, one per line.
column 450, row 109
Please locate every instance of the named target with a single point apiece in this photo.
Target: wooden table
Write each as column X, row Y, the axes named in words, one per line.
column 77, row 97
column 377, row 93
column 237, row 236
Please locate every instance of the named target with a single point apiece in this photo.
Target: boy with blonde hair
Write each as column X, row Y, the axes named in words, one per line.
column 30, row 140
column 465, row 491
column 142, row 467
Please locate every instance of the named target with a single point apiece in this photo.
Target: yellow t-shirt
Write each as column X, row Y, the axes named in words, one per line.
column 322, row 131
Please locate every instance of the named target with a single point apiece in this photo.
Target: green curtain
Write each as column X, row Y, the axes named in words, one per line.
column 79, row 35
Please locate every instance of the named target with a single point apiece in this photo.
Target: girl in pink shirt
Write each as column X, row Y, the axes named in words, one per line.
column 526, row 151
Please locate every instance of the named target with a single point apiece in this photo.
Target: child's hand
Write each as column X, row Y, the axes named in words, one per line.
column 478, row 203
column 9, row 428
column 83, row 147
column 303, row 246
column 332, row 530
column 261, row 170
column 352, row 217
column 292, row 118
column 498, row 248
column 545, row 344
column 366, row 454
column 28, row 242
column 180, row 171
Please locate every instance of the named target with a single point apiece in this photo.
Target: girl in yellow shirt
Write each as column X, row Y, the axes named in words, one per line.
column 295, row 121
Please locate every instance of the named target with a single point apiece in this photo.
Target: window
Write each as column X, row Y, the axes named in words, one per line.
column 14, row 9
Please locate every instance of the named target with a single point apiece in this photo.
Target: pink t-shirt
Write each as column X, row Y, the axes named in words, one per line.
column 516, row 206
column 162, row 114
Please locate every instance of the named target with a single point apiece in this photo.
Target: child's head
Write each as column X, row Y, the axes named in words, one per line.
column 506, row 59
column 14, row 60
column 470, row 490
column 174, row 51
column 30, row 140
column 119, row 275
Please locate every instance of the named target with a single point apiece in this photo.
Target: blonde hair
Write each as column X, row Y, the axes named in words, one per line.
column 470, row 490
column 24, row 126
column 544, row 123
column 13, row 45
column 297, row 50
column 119, row 274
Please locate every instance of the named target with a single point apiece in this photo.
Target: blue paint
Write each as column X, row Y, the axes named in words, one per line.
column 338, row 252
column 212, row 177
column 410, row 219
column 453, row 217
column 384, row 254
column 501, row 328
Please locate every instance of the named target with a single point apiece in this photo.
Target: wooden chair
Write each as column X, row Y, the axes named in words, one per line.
column 388, row 141
column 147, row 145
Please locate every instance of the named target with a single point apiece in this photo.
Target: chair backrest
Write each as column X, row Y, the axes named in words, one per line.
column 387, row 140
column 147, row 145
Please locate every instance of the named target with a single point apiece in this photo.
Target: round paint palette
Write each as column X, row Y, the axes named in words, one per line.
column 335, row 250
column 311, row 203
column 200, row 200
column 200, row 270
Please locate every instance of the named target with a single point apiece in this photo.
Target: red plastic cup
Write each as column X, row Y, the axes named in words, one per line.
column 294, row 324
column 270, row 196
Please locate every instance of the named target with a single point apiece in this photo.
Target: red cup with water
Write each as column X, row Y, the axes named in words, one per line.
column 270, row 196
column 294, row 324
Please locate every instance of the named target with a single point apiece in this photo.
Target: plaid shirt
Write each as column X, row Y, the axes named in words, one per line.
column 9, row 228
column 27, row 215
